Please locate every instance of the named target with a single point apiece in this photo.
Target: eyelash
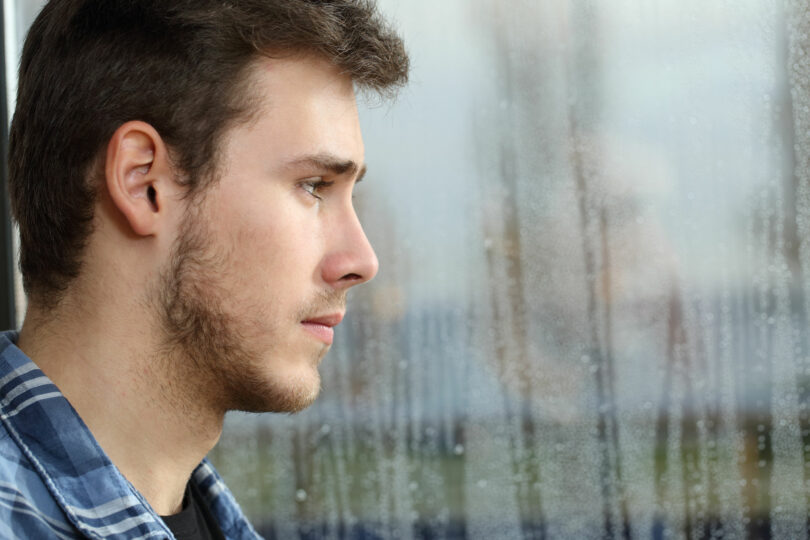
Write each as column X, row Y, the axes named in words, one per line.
column 313, row 186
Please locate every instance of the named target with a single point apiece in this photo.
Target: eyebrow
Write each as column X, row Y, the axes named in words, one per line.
column 329, row 163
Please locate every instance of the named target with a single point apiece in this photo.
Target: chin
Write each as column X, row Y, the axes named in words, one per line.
column 288, row 392
column 302, row 390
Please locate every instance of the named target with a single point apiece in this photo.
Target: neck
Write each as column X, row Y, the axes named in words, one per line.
column 115, row 375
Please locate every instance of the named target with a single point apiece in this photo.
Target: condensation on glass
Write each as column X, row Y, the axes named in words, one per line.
column 593, row 222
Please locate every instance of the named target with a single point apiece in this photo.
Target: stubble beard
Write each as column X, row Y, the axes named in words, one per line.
column 206, row 354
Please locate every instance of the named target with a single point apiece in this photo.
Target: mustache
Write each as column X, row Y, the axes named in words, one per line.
column 325, row 302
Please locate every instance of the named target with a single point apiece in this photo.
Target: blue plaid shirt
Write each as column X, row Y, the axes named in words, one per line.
column 55, row 480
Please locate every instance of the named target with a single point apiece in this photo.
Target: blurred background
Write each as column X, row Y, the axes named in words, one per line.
column 591, row 318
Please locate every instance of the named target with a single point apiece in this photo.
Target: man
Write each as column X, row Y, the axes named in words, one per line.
column 182, row 174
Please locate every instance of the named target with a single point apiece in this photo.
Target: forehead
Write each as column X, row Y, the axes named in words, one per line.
column 304, row 105
column 289, row 74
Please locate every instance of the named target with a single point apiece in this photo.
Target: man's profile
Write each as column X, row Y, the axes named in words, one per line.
column 181, row 172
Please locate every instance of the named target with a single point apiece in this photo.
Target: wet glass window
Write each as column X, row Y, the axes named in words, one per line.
column 591, row 315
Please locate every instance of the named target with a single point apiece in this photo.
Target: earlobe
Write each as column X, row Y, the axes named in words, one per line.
column 137, row 171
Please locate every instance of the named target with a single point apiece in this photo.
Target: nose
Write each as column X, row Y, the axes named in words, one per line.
column 350, row 260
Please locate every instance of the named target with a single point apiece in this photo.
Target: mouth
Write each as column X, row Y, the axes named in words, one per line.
column 323, row 327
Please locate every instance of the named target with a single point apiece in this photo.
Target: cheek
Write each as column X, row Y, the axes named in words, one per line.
column 278, row 249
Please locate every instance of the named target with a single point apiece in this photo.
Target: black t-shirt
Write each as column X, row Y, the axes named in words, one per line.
column 194, row 522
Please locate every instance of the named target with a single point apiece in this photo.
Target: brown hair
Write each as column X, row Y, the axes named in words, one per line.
column 89, row 66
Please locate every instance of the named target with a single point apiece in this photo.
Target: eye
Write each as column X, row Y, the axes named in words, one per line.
column 314, row 186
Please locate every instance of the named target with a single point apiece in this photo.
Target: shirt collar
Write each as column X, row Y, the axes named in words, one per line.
column 91, row 491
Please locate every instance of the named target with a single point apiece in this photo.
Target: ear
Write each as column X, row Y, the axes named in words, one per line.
column 139, row 176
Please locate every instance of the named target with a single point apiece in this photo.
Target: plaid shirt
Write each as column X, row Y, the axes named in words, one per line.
column 55, row 480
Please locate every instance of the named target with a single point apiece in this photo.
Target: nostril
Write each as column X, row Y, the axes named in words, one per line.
column 351, row 277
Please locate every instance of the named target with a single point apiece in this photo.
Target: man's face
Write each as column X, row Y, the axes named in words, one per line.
column 260, row 272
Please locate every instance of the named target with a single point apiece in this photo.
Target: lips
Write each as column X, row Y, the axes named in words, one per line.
column 322, row 327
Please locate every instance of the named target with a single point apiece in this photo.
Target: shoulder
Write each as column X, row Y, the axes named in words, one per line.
column 27, row 507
